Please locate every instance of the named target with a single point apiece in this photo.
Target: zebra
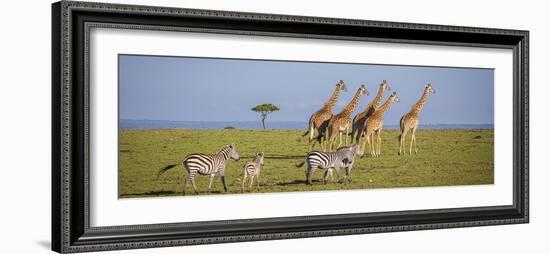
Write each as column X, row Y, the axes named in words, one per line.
column 252, row 169
column 343, row 157
column 205, row 164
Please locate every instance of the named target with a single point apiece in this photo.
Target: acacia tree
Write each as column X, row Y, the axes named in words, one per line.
column 264, row 110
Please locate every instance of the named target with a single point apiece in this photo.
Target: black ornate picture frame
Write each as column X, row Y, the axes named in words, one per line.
column 71, row 230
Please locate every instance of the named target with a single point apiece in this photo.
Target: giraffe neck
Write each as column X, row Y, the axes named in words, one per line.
column 348, row 110
column 417, row 107
column 332, row 100
column 382, row 109
column 377, row 99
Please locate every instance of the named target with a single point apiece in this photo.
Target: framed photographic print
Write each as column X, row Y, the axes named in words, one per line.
column 181, row 126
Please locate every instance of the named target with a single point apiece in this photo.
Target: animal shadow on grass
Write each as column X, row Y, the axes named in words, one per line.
column 275, row 157
column 285, row 157
column 302, row 182
column 169, row 193
column 150, row 193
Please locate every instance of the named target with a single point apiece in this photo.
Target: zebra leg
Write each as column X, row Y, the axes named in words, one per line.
column 194, row 186
column 325, row 178
column 243, row 182
column 348, row 175
column 250, row 183
column 258, row 181
column 337, row 170
column 185, row 181
column 309, row 172
column 210, row 184
column 348, row 172
column 223, row 182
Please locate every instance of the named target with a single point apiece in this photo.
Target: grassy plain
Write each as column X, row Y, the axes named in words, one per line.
column 445, row 157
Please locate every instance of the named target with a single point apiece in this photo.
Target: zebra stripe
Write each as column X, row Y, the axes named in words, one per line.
column 343, row 157
column 208, row 164
column 252, row 169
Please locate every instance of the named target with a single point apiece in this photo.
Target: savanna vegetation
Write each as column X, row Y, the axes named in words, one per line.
column 445, row 157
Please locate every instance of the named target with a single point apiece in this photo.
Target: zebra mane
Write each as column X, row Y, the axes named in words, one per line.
column 225, row 152
column 345, row 147
column 257, row 158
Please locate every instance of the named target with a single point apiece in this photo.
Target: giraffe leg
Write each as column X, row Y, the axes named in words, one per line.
column 311, row 133
column 379, row 139
column 340, row 139
column 324, row 140
column 334, row 136
column 311, row 145
column 366, row 140
column 359, row 132
column 402, row 141
column 372, row 145
column 347, row 134
column 414, row 138
column 411, row 145
column 322, row 146
column 363, row 144
column 331, row 137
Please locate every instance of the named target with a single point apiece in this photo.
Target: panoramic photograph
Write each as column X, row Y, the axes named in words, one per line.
column 210, row 126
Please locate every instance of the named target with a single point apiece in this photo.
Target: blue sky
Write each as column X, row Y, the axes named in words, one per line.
column 202, row 89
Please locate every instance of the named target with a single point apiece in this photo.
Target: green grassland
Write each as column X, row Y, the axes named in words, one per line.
column 445, row 157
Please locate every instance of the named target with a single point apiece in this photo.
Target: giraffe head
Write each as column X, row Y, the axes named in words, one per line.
column 233, row 152
column 260, row 157
column 394, row 97
column 363, row 90
column 430, row 88
column 385, row 85
column 342, row 86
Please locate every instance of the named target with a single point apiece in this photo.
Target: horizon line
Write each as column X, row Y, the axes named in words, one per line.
column 203, row 121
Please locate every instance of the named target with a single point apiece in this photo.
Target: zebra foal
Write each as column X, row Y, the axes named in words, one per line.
column 205, row 164
column 252, row 169
column 343, row 157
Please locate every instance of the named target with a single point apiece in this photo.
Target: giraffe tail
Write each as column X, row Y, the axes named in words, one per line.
column 308, row 126
column 401, row 127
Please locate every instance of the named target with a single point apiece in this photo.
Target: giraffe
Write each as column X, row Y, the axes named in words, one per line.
column 359, row 119
column 342, row 121
column 373, row 125
column 319, row 119
column 409, row 121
